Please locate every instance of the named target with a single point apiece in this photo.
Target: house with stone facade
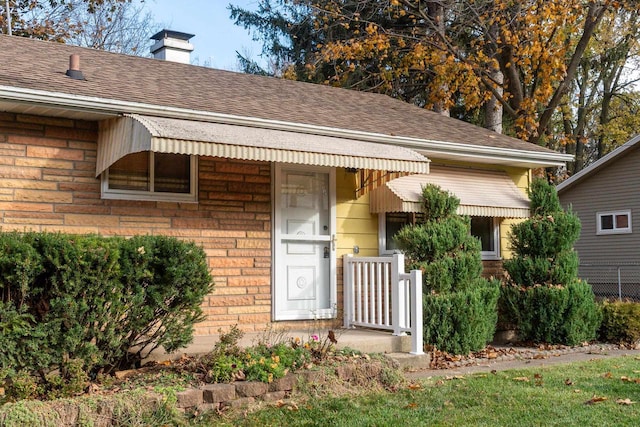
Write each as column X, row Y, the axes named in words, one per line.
column 275, row 179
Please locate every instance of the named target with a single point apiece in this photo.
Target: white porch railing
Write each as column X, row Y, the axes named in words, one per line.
column 379, row 294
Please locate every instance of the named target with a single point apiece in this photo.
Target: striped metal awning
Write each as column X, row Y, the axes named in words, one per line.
column 481, row 193
column 135, row 133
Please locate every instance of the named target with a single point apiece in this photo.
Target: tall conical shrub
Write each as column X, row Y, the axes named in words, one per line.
column 543, row 296
column 441, row 244
column 460, row 307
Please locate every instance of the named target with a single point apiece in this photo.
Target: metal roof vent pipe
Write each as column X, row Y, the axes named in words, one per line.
column 74, row 67
column 172, row 46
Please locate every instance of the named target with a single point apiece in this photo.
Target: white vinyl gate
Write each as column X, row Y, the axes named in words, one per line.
column 379, row 294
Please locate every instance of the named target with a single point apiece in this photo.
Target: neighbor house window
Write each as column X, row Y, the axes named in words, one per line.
column 618, row 222
column 485, row 228
column 151, row 176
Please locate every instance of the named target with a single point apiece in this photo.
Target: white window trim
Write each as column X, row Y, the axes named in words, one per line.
column 626, row 230
column 382, row 236
column 191, row 197
column 495, row 254
column 485, row 255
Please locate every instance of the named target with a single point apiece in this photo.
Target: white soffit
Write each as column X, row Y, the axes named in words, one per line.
column 481, row 193
column 134, row 133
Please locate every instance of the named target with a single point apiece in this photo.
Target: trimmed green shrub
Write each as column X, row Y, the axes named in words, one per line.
column 620, row 322
column 460, row 312
column 552, row 314
column 463, row 321
column 543, row 244
column 544, row 298
column 441, row 245
column 106, row 302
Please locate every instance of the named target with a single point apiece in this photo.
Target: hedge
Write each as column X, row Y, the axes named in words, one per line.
column 105, row 301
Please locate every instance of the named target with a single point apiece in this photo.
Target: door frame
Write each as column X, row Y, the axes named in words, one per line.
column 277, row 258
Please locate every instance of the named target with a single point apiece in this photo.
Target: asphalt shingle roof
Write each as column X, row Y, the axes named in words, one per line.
column 39, row 65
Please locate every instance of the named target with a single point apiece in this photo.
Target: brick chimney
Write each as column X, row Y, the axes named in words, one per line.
column 172, row 46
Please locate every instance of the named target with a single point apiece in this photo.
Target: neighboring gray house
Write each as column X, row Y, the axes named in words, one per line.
column 606, row 197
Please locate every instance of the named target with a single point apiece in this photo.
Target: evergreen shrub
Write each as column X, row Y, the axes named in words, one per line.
column 620, row 322
column 552, row 314
column 460, row 307
column 544, row 297
column 463, row 321
column 107, row 302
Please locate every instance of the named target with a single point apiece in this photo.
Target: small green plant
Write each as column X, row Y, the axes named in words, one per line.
column 21, row 385
column 225, row 362
column 620, row 322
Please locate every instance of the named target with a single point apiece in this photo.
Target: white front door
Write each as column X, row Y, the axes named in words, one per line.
column 304, row 246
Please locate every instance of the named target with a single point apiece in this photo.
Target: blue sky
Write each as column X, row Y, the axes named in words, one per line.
column 216, row 37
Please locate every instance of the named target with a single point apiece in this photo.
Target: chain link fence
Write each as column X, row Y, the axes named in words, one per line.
column 620, row 281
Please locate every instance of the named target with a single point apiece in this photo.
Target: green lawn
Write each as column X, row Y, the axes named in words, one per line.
column 581, row 394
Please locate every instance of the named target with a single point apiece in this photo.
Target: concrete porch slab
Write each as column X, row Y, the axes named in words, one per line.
column 363, row 340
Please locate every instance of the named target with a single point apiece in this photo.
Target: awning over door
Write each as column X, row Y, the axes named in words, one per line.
column 134, row 133
column 481, row 193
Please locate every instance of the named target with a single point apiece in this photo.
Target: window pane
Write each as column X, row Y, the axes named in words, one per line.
column 606, row 222
column 394, row 222
column 622, row 221
column 172, row 173
column 130, row 172
column 482, row 228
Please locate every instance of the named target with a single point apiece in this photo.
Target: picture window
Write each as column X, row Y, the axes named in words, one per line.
column 151, row 176
column 485, row 228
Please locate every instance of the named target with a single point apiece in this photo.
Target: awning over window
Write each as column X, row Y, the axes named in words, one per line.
column 135, row 133
column 481, row 193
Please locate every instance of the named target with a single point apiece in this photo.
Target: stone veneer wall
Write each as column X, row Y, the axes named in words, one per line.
column 48, row 183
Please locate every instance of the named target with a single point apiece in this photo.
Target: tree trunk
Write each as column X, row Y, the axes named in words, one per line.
column 593, row 18
column 435, row 11
column 493, row 108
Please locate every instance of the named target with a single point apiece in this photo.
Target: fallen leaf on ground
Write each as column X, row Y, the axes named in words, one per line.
column 415, row 386
column 568, row 381
column 625, row 402
column 606, row 375
column 411, row 405
column 523, row 379
column 595, row 399
column 540, row 356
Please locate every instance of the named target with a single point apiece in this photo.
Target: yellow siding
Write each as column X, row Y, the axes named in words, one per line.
column 356, row 226
column 522, row 178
